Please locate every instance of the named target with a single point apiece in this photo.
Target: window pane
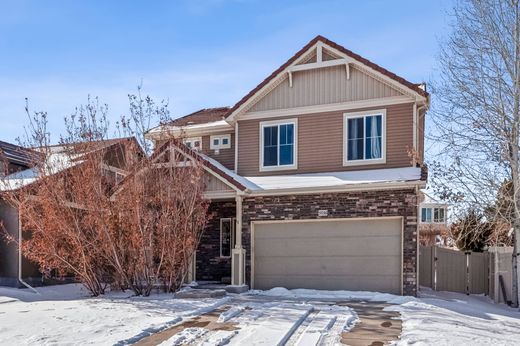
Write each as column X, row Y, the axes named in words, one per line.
column 271, row 146
column 355, row 139
column 441, row 215
column 423, row 214
column 429, row 215
column 286, row 154
column 287, row 134
column 355, row 128
column 216, row 141
column 225, row 141
column 355, row 149
column 374, row 137
column 225, row 238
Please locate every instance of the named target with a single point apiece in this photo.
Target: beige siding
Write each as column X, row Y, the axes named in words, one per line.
column 320, row 142
column 324, row 86
column 214, row 184
column 225, row 156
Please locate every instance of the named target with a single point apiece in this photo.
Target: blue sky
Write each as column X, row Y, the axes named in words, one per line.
column 196, row 54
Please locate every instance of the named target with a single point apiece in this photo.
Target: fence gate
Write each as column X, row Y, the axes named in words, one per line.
column 450, row 270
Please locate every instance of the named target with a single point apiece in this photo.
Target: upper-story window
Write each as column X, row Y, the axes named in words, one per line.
column 364, row 138
column 220, row 142
column 433, row 215
column 194, row 143
column 278, row 145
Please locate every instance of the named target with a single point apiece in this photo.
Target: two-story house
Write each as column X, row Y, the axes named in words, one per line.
column 314, row 176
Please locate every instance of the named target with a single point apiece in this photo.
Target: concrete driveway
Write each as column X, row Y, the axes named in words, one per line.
column 260, row 320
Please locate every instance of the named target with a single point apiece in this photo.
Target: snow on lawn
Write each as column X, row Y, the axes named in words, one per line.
column 435, row 318
column 65, row 314
column 446, row 318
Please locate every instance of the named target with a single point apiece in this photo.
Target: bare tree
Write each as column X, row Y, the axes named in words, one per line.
column 477, row 110
column 137, row 232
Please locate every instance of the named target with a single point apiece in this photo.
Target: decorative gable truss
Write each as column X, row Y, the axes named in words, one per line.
column 219, row 184
column 325, row 74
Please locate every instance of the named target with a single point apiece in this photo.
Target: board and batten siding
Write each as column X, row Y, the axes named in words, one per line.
column 214, row 184
column 324, row 86
column 320, row 142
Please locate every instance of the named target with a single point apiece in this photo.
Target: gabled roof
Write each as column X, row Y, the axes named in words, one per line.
column 214, row 166
column 416, row 88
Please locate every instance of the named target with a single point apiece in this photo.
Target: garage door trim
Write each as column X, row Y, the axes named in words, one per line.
column 253, row 223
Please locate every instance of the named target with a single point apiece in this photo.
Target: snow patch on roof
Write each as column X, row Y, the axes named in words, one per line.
column 203, row 126
column 55, row 163
column 332, row 179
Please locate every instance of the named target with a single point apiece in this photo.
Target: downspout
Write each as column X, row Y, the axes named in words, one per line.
column 20, row 254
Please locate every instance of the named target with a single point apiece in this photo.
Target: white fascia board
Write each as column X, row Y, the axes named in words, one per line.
column 337, row 189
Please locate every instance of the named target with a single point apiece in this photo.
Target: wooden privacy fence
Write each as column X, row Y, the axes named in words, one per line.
column 444, row 269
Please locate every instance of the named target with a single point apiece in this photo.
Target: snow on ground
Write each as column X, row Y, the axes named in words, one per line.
column 435, row 318
column 446, row 318
column 66, row 315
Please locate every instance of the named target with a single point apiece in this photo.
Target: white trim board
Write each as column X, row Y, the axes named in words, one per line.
column 330, row 107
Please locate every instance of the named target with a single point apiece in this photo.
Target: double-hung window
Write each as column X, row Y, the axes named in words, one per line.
column 364, row 138
column 278, row 145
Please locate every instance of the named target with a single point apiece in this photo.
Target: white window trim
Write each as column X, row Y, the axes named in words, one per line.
column 432, row 222
column 295, row 147
column 232, row 245
column 220, row 145
column 364, row 114
column 193, row 139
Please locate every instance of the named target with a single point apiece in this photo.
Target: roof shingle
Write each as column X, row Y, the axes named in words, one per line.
column 202, row 116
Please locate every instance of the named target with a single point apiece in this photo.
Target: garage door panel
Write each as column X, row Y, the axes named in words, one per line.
column 320, row 266
column 326, row 246
column 348, row 254
column 389, row 283
column 356, row 227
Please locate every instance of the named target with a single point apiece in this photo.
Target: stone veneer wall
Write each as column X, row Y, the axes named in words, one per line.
column 402, row 202
column 210, row 266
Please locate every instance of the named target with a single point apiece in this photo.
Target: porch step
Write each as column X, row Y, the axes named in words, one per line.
column 201, row 293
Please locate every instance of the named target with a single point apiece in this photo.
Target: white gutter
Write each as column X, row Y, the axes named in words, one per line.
column 20, row 255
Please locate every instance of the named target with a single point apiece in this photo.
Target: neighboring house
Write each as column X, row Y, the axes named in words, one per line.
column 433, row 222
column 118, row 154
column 314, row 176
column 14, row 158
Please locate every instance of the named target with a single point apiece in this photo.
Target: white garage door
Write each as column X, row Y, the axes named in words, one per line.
column 345, row 254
